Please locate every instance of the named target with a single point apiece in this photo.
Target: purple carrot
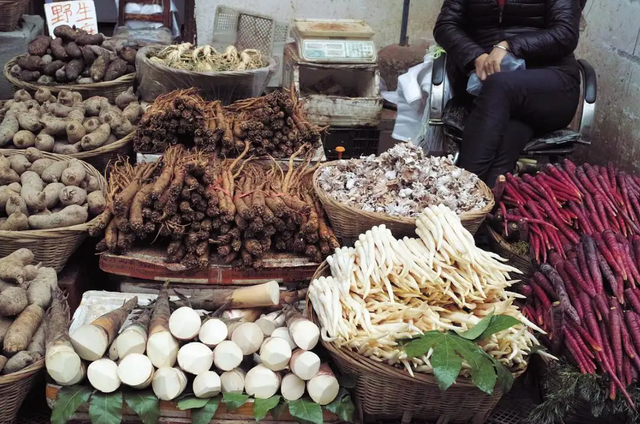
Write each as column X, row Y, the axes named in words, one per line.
column 561, row 291
column 607, row 254
column 582, row 219
column 541, row 295
column 616, row 338
column 632, row 299
column 593, row 214
column 579, row 341
column 611, row 170
column 601, row 306
column 633, row 325
column 572, row 290
column 625, row 193
column 590, row 251
column 578, row 279
column 584, row 269
column 498, row 188
column 556, row 333
column 590, row 319
column 573, row 346
column 543, row 282
column 609, row 238
column 626, row 370
column 588, row 339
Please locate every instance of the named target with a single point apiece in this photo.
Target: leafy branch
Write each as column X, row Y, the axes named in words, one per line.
column 449, row 349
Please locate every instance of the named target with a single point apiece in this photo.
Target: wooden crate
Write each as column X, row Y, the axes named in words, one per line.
column 147, row 263
column 170, row 414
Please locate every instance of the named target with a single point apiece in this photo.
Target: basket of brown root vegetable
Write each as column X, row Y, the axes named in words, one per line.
column 92, row 130
column 88, row 63
column 47, row 202
column 401, row 315
column 26, row 295
column 394, row 188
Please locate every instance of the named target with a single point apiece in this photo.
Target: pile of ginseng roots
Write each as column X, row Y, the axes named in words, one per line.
column 235, row 209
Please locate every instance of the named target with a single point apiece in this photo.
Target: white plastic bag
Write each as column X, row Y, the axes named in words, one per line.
column 509, row 63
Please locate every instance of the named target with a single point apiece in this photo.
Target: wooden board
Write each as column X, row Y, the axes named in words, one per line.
column 169, row 413
column 148, row 264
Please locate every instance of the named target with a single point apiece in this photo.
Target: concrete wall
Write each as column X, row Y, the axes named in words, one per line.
column 383, row 15
column 611, row 42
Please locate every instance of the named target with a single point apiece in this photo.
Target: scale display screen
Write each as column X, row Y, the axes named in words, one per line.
column 338, row 50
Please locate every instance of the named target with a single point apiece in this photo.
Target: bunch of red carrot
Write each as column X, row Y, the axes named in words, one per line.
column 550, row 210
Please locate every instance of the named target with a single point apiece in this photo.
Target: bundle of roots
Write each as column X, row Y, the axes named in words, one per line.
column 233, row 209
column 273, row 125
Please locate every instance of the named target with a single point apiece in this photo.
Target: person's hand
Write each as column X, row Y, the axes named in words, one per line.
column 480, row 61
column 492, row 63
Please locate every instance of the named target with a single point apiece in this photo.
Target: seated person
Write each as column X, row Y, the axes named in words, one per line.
column 511, row 106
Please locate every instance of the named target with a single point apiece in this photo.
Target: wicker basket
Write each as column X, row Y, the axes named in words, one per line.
column 385, row 392
column 504, row 249
column 54, row 246
column 349, row 222
column 108, row 89
column 10, row 13
column 14, row 388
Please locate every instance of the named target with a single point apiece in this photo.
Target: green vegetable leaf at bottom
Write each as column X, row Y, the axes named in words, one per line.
column 498, row 324
column 261, row 407
column 67, row 403
column 306, row 411
column 477, row 330
column 234, row 400
column 106, row 408
column 192, row 403
column 342, row 406
column 145, row 404
column 205, row 414
column 446, row 364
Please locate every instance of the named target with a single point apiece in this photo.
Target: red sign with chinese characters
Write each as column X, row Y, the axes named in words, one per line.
column 81, row 14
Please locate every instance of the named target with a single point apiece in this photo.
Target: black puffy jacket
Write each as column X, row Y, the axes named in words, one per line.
column 542, row 32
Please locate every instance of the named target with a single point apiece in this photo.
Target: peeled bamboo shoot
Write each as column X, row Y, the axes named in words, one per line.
column 232, row 381
column 261, row 383
column 304, row 333
column 213, row 332
column 103, row 375
column 227, row 355
column 133, row 339
column 207, row 385
column 283, row 333
column 275, row 354
column 162, row 347
column 323, row 387
column 113, row 352
column 248, row 336
column 195, row 358
column 267, row 294
column 136, row 370
column 184, row 323
column 269, row 322
column 304, row 364
column 292, row 387
column 91, row 341
column 168, row 383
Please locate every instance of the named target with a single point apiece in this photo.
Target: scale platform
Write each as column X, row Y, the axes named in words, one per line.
column 334, row 41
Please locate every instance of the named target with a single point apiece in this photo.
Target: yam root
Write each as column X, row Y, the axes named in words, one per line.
column 22, row 330
column 67, row 217
column 13, row 300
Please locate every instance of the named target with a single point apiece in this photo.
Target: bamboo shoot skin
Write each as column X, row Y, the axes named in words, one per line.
column 232, row 381
column 292, row 387
column 261, row 382
column 136, row 370
column 304, row 364
column 103, row 375
column 213, row 332
column 185, row 323
column 323, row 387
column 207, row 385
column 195, row 358
column 162, row 349
column 275, row 354
column 227, row 355
column 168, row 383
column 248, row 336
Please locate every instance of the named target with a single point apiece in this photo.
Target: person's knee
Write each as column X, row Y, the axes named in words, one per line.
column 500, row 82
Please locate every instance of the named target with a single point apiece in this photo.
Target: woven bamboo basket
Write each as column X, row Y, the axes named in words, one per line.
column 10, row 13
column 349, row 222
column 99, row 158
column 108, row 89
column 54, row 246
column 14, row 388
column 384, row 392
column 504, row 249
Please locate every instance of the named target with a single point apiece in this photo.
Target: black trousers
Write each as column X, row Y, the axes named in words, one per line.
column 511, row 108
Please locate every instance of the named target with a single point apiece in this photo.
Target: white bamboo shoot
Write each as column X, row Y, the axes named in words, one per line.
column 168, row 383
column 292, row 387
column 103, row 375
column 185, row 323
column 323, row 387
column 232, row 381
column 136, row 370
column 63, row 364
column 283, row 333
column 262, row 295
column 195, row 358
column 304, row 333
column 261, row 382
column 207, row 385
column 133, row 339
column 162, row 349
column 248, row 336
column 213, row 332
column 304, row 364
column 227, row 355
column 275, row 354
column 269, row 322
column 113, row 352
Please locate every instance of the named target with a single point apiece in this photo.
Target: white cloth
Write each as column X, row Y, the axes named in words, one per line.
column 150, row 9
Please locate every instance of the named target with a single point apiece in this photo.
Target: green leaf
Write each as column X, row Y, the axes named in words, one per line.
column 478, row 329
column 191, row 403
column 306, row 411
column 446, row 363
column 261, row 407
column 234, row 400
column 145, row 404
column 499, row 323
column 106, row 408
column 277, row 411
column 505, row 377
column 342, row 406
column 67, row 402
column 421, row 345
column 205, row 414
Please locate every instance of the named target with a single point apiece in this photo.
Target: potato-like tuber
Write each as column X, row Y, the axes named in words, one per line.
column 74, row 68
column 31, row 63
column 94, row 105
column 53, row 125
column 72, row 195
column 15, row 203
column 66, row 149
column 129, row 55
column 99, row 68
column 97, row 138
column 74, row 174
column 87, row 55
column 8, row 128
column 57, row 50
column 125, row 98
column 71, row 215
column 32, row 154
column 116, row 69
column 31, row 192
column 44, row 142
column 132, row 112
column 96, row 202
column 39, row 45
column 75, row 132
column 20, row 361
column 90, row 184
column 13, row 300
column 51, row 68
column 52, row 194
column 61, row 75
column 46, row 59
column 122, row 127
column 54, row 172
column 39, row 165
column 17, row 221
column 46, row 80
column 24, row 139
column 29, row 122
column 29, row 76
column 91, row 124
column 73, row 50
column 39, row 291
column 19, row 163
column 67, row 33
column 90, row 39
